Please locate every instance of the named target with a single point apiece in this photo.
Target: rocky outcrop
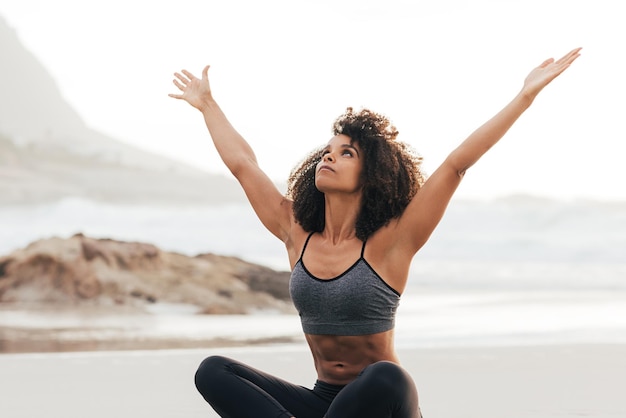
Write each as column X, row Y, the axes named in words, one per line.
column 102, row 272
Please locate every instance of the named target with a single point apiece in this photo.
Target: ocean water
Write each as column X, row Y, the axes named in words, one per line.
column 508, row 271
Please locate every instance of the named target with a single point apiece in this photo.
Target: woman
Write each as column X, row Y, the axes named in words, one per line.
column 355, row 214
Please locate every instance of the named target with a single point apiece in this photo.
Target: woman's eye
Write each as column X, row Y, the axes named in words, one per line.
column 348, row 153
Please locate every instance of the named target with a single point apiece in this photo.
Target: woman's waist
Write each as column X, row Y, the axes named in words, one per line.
column 339, row 359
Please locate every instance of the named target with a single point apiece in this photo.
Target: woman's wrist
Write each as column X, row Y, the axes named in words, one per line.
column 525, row 97
column 206, row 103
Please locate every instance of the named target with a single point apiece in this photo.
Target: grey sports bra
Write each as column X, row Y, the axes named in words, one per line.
column 357, row 302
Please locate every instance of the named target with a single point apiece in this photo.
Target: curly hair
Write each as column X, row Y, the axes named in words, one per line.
column 392, row 174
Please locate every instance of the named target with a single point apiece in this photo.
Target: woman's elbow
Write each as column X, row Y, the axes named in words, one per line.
column 458, row 167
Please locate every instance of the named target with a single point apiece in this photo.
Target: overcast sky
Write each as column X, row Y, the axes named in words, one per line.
column 283, row 70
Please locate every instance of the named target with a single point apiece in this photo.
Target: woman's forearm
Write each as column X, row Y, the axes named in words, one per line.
column 483, row 138
column 488, row 134
column 231, row 146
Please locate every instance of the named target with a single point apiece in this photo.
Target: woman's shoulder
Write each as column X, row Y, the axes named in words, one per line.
column 387, row 237
column 389, row 253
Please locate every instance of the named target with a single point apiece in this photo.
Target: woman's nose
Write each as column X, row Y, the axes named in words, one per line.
column 328, row 157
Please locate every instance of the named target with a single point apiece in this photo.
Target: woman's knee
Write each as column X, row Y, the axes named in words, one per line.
column 382, row 389
column 210, row 372
column 387, row 376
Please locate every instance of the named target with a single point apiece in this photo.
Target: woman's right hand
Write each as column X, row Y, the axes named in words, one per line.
column 195, row 91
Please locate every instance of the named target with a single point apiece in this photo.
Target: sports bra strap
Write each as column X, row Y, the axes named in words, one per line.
column 311, row 234
column 305, row 244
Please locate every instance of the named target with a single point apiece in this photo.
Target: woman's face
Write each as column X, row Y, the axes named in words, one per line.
column 339, row 169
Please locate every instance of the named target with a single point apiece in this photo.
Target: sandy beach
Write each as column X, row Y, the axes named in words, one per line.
column 542, row 381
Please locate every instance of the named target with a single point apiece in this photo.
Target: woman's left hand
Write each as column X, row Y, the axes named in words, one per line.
column 548, row 71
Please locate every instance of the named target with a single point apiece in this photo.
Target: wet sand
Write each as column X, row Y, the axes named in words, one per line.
column 543, row 381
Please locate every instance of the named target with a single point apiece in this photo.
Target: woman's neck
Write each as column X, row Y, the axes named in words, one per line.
column 341, row 213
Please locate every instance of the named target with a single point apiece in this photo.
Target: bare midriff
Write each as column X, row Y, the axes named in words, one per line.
column 339, row 359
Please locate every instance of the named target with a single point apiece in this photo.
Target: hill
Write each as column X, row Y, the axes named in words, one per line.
column 47, row 152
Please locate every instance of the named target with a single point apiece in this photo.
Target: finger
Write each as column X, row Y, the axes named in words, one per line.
column 205, row 72
column 564, row 65
column 175, row 96
column 566, row 62
column 574, row 55
column 189, row 75
column 180, row 86
column 546, row 63
column 184, row 80
column 571, row 56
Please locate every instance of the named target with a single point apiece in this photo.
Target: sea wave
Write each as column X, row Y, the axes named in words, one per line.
column 503, row 243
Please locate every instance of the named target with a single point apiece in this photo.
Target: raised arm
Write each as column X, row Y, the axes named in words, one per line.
column 425, row 211
column 272, row 208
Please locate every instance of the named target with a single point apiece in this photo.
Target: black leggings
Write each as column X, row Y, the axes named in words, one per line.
column 235, row 390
